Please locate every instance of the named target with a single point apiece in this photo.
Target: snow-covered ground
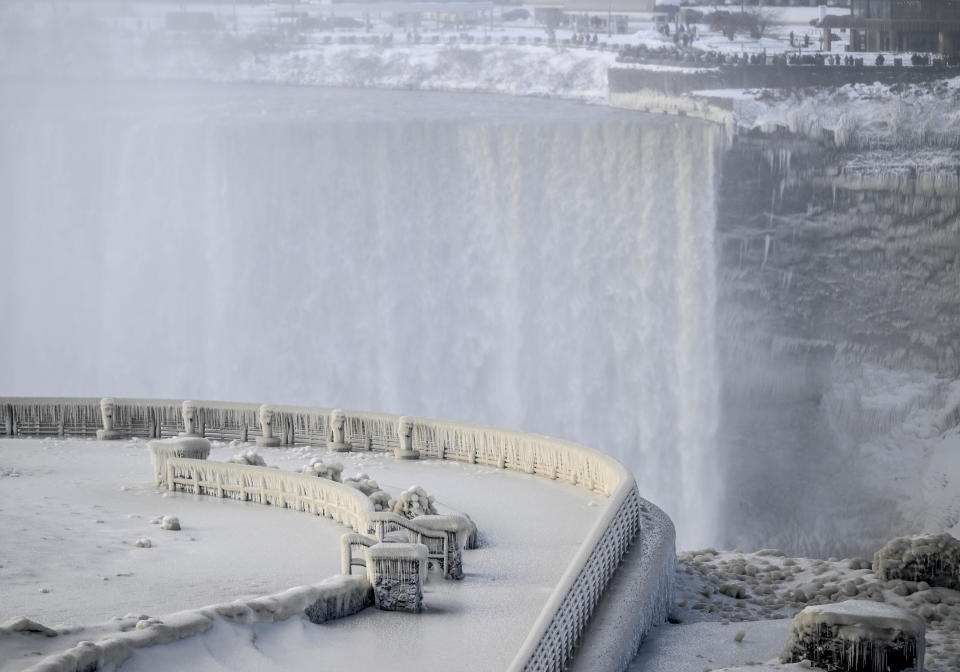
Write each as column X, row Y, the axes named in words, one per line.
column 734, row 609
column 72, row 511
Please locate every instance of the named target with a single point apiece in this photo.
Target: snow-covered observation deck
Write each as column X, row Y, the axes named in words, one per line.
column 585, row 545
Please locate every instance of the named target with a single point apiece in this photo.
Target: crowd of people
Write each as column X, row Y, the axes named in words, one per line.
column 687, row 55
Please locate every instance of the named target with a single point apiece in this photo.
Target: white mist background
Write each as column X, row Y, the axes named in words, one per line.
column 521, row 263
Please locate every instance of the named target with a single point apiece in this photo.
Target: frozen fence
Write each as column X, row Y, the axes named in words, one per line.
column 557, row 630
column 317, row 496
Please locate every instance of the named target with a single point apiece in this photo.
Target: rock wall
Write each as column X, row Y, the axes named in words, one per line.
column 838, row 331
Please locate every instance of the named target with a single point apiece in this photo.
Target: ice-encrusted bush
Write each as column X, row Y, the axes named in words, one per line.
column 363, row 483
column 249, row 456
column 329, row 470
column 932, row 558
column 413, row 502
column 381, row 500
column 369, row 487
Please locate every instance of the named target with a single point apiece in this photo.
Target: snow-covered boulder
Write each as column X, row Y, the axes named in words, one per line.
column 171, row 523
column 413, row 502
column 857, row 636
column 932, row 558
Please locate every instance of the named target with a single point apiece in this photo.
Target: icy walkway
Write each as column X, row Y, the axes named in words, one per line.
column 53, row 493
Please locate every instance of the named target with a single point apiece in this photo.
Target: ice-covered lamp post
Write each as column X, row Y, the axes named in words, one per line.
column 266, row 423
column 338, row 431
column 108, row 408
column 405, row 450
column 189, row 412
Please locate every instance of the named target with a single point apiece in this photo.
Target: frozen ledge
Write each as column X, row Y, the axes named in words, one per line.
column 637, row 598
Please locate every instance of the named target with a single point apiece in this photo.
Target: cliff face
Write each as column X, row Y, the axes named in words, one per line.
column 839, row 327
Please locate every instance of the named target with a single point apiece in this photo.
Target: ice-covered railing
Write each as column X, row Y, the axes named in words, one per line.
column 551, row 641
column 301, row 492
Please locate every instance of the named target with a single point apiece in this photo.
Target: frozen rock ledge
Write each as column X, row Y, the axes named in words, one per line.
column 857, row 636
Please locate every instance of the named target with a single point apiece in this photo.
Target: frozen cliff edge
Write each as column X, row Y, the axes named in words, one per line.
column 858, row 115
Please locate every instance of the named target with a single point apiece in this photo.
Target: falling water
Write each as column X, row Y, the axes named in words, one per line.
column 529, row 264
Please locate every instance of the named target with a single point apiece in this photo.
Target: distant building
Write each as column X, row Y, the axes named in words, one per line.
column 900, row 25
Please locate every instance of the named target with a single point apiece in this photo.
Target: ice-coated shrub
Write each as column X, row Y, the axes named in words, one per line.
column 170, row 523
column 933, row 558
column 329, row 470
column 369, row 487
column 363, row 483
column 381, row 500
column 249, row 456
column 413, row 502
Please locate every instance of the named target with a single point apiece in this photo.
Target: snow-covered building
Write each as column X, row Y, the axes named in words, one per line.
column 927, row 26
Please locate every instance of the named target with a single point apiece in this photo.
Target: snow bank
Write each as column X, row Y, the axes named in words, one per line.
column 336, row 597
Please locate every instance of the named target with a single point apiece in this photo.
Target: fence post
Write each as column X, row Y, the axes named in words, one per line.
column 170, row 485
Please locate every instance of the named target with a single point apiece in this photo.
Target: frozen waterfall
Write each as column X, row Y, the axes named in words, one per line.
column 522, row 263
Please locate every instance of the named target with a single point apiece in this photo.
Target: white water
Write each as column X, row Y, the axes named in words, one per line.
column 528, row 264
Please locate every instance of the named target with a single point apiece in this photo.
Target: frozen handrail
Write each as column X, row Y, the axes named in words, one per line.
column 284, row 489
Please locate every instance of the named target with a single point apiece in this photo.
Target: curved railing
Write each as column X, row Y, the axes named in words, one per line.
column 552, row 639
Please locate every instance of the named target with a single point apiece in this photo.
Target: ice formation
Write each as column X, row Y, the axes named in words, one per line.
column 934, row 559
column 857, row 636
column 108, row 408
column 189, row 411
column 413, row 502
column 338, row 432
column 405, row 450
column 266, row 415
